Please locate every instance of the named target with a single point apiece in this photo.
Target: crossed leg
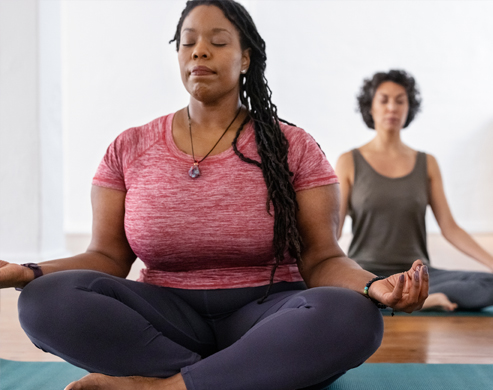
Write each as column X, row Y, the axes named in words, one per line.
column 142, row 338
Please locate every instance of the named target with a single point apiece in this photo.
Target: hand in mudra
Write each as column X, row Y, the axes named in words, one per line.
column 403, row 292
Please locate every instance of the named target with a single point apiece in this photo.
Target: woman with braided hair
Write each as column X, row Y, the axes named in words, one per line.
column 234, row 213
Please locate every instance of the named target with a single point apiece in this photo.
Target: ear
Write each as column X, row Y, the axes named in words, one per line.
column 245, row 60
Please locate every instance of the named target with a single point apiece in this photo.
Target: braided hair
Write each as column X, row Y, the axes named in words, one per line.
column 272, row 145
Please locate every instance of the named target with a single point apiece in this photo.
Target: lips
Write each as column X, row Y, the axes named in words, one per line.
column 201, row 71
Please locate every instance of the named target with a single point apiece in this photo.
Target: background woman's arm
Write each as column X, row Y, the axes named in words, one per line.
column 452, row 232
column 108, row 252
column 345, row 173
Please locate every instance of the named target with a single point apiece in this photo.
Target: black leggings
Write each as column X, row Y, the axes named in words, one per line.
column 217, row 339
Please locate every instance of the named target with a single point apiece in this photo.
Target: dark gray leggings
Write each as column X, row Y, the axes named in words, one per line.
column 217, row 339
column 470, row 290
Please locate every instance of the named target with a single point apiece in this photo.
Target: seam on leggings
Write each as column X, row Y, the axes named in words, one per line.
column 82, row 288
column 187, row 378
column 269, row 318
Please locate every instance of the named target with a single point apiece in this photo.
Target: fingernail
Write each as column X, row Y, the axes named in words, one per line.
column 418, row 268
column 401, row 278
column 425, row 270
column 416, row 276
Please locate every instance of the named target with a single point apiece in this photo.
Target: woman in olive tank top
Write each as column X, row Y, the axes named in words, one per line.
column 386, row 187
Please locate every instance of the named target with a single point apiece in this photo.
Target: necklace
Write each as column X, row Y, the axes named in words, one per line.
column 194, row 170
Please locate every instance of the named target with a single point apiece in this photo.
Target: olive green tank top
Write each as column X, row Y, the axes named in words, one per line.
column 388, row 217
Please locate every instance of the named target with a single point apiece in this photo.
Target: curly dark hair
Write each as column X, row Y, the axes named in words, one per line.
column 401, row 77
column 272, row 145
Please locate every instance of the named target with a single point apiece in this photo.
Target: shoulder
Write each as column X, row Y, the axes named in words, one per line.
column 431, row 162
column 296, row 135
column 432, row 167
column 430, row 159
column 134, row 141
column 149, row 132
column 306, row 160
column 345, row 161
column 301, row 143
column 345, row 166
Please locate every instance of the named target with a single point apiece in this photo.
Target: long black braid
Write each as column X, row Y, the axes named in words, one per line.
column 272, row 145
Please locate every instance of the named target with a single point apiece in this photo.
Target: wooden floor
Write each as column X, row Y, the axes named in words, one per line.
column 446, row 340
column 406, row 339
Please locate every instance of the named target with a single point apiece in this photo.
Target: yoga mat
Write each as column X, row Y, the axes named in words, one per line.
column 411, row 376
column 486, row 312
column 37, row 375
column 369, row 376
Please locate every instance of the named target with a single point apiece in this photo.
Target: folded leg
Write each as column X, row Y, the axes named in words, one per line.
column 293, row 340
column 470, row 290
column 113, row 326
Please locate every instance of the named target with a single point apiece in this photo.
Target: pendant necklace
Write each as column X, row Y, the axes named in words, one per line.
column 194, row 170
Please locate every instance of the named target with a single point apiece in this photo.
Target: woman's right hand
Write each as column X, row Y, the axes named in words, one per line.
column 14, row 275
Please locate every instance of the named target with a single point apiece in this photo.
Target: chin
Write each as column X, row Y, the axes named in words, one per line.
column 207, row 95
column 205, row 99
column 203, row 94
column 391, row 127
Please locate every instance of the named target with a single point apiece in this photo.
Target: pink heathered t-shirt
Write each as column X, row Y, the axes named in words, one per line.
column 211, row 232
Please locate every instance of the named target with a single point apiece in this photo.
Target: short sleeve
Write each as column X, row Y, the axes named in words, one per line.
column 126, row 149
column 110, row 171
column 307, row 161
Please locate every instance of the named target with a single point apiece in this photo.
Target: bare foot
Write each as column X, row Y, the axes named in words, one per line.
column 439, row 301
column 104, row 382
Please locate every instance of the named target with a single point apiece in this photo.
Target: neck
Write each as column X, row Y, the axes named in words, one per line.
column 210, row 116
column 387, row 141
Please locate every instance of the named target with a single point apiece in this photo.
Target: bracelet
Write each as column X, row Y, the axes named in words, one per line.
column 367, row 287
column 35, row 268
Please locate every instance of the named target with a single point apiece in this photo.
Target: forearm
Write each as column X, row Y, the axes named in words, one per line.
column 466, row 244
column 338, row 272
column 89, row 260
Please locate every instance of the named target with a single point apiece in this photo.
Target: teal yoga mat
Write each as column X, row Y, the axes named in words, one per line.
column 37, row 375
column 408, row 376
column 369, row 376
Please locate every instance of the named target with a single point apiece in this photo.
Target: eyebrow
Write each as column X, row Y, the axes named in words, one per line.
column 214, row 30
column 386, row 95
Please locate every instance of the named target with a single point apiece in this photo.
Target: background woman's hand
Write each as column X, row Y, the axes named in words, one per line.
column 403, row 292
column 14, row 275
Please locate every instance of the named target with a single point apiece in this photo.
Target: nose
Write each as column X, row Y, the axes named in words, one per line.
column 201, row 50
column 391, row 105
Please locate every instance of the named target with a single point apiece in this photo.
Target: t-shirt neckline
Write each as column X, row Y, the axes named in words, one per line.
column 244, row 138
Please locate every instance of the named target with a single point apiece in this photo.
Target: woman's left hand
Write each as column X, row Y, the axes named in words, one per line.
column 403, row 292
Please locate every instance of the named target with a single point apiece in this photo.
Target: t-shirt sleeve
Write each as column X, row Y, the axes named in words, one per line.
column 308, row 162
column 110, row 171
column 125, row 150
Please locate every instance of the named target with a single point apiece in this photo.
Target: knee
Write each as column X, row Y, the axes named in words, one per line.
column 356, row 320
column 46, row 300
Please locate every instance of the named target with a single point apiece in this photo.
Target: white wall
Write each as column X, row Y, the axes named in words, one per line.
column 119, row 71
column 31, row 158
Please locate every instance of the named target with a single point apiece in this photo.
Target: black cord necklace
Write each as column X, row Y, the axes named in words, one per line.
column 194, row 170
